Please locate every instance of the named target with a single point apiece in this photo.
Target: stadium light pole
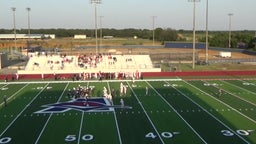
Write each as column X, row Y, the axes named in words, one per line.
column 14, row 27
column 153, row 29
column 28, row 9
column 95, row 2
column 194, row 31
column 229, row 35
column 206, row 33
column 101, row 30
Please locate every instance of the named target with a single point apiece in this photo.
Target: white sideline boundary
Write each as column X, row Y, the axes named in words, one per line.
column 91, row 81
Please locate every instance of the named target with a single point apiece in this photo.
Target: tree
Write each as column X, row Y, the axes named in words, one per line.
column 165, row 34
column 219, row 40
column 252, row 44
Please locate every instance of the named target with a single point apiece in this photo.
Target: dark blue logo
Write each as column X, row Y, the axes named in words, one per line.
column 81, row 104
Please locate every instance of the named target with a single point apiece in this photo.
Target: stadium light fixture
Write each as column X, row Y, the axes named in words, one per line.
column 206, row 35
column 194, row 31
column 28, row 9
column 153, row 30
column 95, row 2
column 229, row 35
column 14, row 27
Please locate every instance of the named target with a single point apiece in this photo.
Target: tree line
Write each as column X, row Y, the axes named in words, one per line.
column 239, row 39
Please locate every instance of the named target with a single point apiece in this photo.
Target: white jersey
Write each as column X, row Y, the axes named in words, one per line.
column 122, row 102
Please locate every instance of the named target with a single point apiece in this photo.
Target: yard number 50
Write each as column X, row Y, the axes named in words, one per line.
column 70, row 138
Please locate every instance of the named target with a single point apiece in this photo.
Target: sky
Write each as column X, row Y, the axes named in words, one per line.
column 120, row 14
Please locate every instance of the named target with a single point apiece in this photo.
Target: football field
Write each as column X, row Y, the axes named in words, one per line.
column 157, row 111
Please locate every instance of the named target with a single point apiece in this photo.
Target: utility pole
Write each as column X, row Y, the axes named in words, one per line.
column 14, row 27
column 206, row 37
column 95, row 2
column 28, row 46
column 100, row 30
column 229, row 35
column 194, row 31
column 153, row 29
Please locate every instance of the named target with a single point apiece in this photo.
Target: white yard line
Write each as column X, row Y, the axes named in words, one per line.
column 81, row 124
column 224, row 104
column 234, row 95
column 14, row 94
column 22, row 111
column 247, row 82
column 80, row 129
column 117, row 127
column 239, row 98
column 4, row 86
column 240, row 88
column 49, row 117
column 209, row 112
column 146, row 114
column 177, row 113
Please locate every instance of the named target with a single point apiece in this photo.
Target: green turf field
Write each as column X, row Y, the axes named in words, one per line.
column 174, row 111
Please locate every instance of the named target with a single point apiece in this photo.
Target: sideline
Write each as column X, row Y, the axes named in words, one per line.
column 124, row 80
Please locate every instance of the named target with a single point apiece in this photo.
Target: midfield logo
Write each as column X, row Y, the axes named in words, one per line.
column 81, row 104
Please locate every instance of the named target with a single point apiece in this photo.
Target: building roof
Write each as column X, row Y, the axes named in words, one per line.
column 24, row 36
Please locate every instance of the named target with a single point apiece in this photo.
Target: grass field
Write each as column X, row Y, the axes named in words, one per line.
column 174, row 111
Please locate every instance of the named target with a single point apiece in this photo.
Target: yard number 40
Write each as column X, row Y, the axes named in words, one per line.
column 163, row 134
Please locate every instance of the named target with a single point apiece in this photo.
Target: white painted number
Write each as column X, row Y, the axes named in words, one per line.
column 243, row 132
column 167, row 135
column 87, row 137
column 5, row 140
column 150, row 135
column 239, row 132
column 227, row 133
column 71, row 138
column 247, row 84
